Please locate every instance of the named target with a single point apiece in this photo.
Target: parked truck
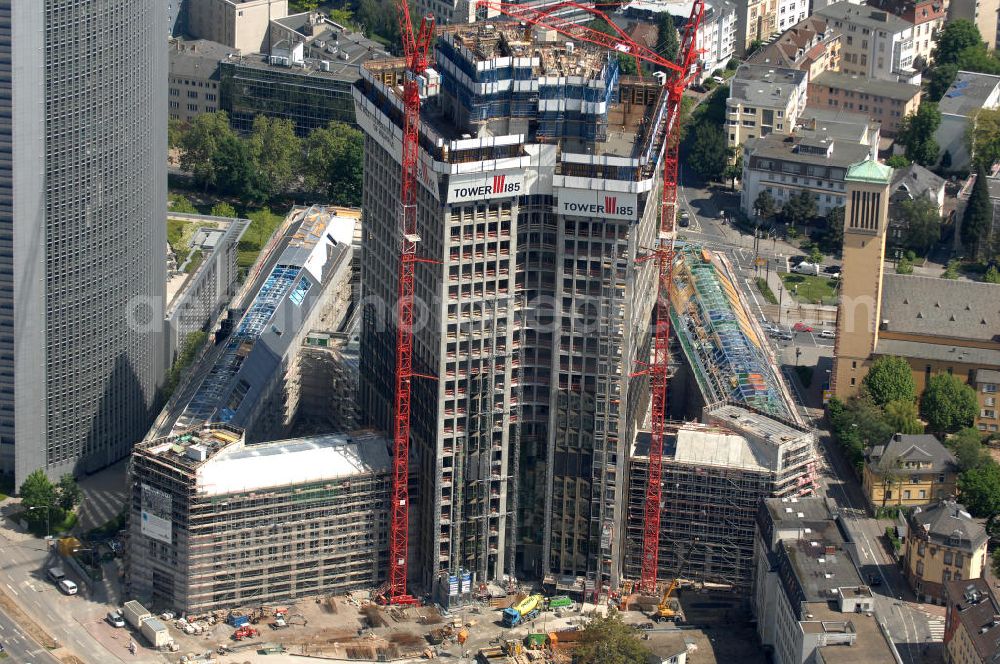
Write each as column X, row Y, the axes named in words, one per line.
column 527, row 609
column 155, row 632
column 135, row 613
column 559, row 602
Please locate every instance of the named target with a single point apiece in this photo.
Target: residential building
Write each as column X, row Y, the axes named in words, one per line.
column 791, row 12
column 842, row 125
column 971, row 623
column 547, row 195
column 217, row 524
column 981, row 12
column 763, row 99
column 937, row 325
column 194, row 77
column 239, row 24
column 785, row 166
column 910, row 184
column 810, row 45
column 885, row 102
column 875, row 44
column 203, row 283
column 970, row 93
column 82, row 222
column 808, row 600
column 927, row 17
column 987, row 384
column 251, row 384
column 714, row 479
column 943, row 543
column 756, row 21
column 909, row 470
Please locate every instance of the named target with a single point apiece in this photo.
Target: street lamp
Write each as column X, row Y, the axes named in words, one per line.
column 48, row 530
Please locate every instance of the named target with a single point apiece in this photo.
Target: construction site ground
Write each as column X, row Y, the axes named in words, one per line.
column 717, row 630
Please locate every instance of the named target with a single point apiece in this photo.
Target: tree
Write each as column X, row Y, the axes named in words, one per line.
column 301, row 6
column 903, row 417
column 916, row 134
column 667, row 42
column 189, row 350
column 967, row 446
column 951, row 270
column 178, row 203
column 799, row 209
column 978, row 59
column 978, row 216
column 627, row 65
column 223, row 210
column 68, row 492
column 37, row 491
column 200, row 146
column 992, row 275
column 765, row 205
column 234, row 170
column 904, row 266
column 922, row 221
column 709, row 156
column 608, row 640
column 175, row 132
column 815, row 255
column 953, row 39
column 897, row 161
column 985, row 137
column 979, row 489
column 276, row 152
column 891, row 473
column 996, row 561
column 948, row 404
column 334, row 160
column 834, row 235
column 733, row 173
column 941, row 78
column 890, row 379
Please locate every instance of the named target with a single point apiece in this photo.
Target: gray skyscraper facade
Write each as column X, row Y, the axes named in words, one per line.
column 82, row 232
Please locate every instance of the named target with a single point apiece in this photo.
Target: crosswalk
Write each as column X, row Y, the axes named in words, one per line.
column 935, row 626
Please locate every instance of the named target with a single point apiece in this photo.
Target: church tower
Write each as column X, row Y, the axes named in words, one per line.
column 866, row 219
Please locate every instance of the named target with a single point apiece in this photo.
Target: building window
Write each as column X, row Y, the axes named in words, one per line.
column 192, row 94
column 947, row 557
column 920, row 568
column 906, row 494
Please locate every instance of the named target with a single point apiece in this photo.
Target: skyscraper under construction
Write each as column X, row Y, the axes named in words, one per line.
column 539, row 193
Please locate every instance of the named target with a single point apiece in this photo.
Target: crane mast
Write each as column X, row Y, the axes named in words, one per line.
column 415, row 48
column 681, row 75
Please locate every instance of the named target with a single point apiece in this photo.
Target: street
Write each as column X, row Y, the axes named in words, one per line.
column 20, row 648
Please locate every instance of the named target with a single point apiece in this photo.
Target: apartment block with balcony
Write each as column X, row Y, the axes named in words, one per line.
column 756, row 20
column 763, row 100
column 943, row 543
column 927, row 17
column 885, row 102
column 810, row 45
column 876, row 44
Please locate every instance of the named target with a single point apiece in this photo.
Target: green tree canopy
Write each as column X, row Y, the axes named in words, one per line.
column 948, row 404
column 200, row 146
column 941, row 78
column 979, row 489
column 955, row 37
column 897, row 161
column 916, row 134
column 334, row 163
column 923, row 223
column 904, row 266
column 608, row 640
column 799, row 208
column 69, row 492
column 834, row 235
column 709, row 155
column 890, row 379
column 967, row 446
column 903, row 417
column 815, row 255
column 978, row 216
column 223, row 209
column 667, row 41
column 276, row 152
column 627, row 65
column 37, row 490
column 765, row 206
column 235, row 172
column 992, row 275
column 985, row 137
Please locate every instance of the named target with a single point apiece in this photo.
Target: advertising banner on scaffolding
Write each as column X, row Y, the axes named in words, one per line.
column 156, row 511
column 598, row 204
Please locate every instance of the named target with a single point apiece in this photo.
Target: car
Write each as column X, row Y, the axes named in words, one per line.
column 874, row 581
column 685, row 220
column 719, row 79
column 805, row 267
column 832, row 271
column 827, row 334
column 68, row 587
column 785, row 335
column 56, row 574
column 115, row 619
column 802, row 327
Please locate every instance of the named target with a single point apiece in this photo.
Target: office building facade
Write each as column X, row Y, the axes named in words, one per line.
column 82, row 223
column 538, row 191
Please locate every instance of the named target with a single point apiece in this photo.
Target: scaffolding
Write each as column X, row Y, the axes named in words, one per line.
column 724, row 347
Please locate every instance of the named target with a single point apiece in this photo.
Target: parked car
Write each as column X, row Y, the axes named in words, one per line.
column 685, row 220
column 827, row 334
column 833, row 271
column 68, row 587
column 801, row 327
column 785, row 335
column 805, row 267
column 115, row 619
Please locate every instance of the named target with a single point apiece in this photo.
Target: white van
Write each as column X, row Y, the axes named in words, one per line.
column 67, row 587
column 56, row 574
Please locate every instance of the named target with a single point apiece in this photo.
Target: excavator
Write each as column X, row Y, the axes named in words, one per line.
column 665, row 610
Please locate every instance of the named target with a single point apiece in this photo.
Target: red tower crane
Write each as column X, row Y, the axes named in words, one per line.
column 415, row 49
column 682, row 73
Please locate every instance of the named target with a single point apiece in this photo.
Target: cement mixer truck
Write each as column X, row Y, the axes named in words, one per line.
column 527, row 609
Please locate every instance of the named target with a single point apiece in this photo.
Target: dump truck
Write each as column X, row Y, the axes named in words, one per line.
column 245, row 632
column 559, row 602
column 527, row 609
